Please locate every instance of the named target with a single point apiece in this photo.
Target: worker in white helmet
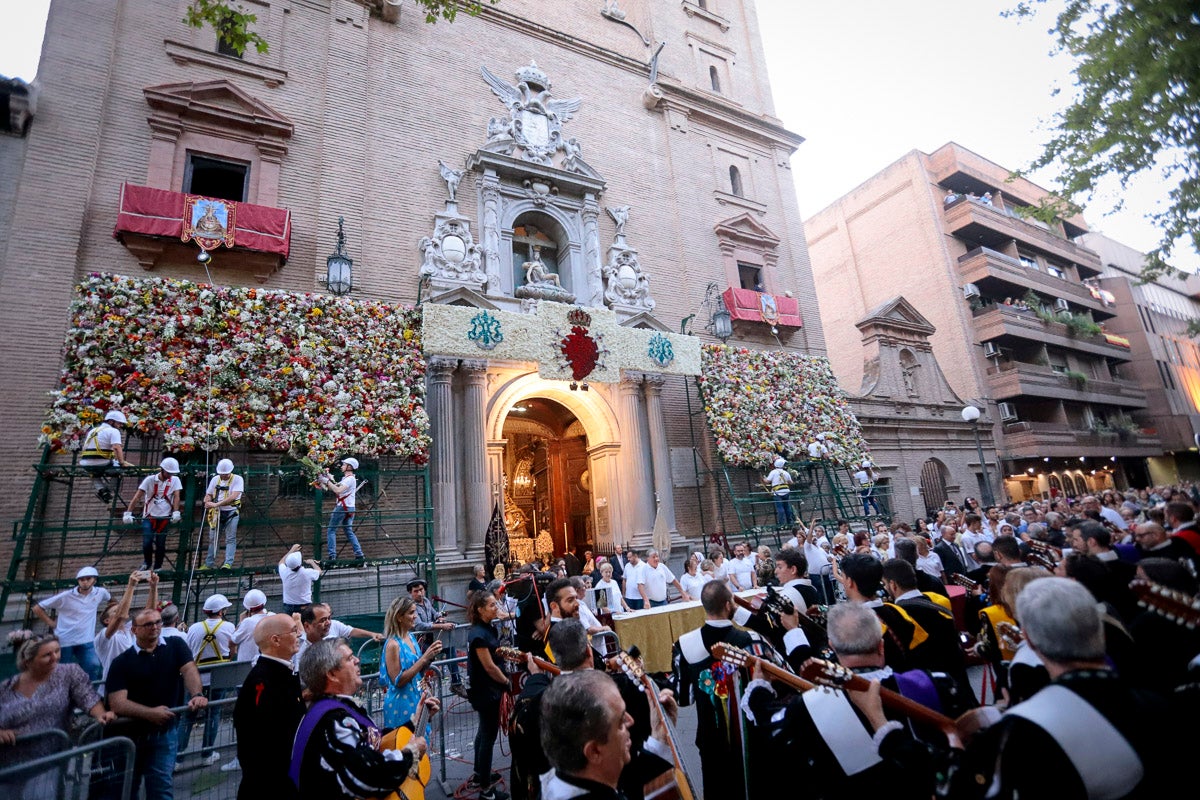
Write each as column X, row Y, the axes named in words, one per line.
column 103, row 454
column 158, row 496
column 222, row 501
column 343, row 509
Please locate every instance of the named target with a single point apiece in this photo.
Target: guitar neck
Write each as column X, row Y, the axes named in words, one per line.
column 686, row 790
column 521, row 657
column 902, row 705
column 780, row 674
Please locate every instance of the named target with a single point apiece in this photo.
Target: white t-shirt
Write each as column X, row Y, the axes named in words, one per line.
column 345, row 490
column 99, row 438
column 243, row 637
column 337, row 630
column 656, row 579
column 863, row 478
column 236, row 484
column 721, row 571
column 693, row 584
column 779, row 479
column 77, row 614
column 633, row 576
column 297, row 584
column 817, row 450
column 931, row 564
column 158, row 495
column 222, row 631
column 108, row 648
column 608, row 595
column 742, row 569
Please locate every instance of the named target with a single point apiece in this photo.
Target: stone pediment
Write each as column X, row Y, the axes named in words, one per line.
column 645, row 321
column 897, row 314
column 463, row 296
column 745, row 228
column 218, row 102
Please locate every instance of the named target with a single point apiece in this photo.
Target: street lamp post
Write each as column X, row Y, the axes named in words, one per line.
column 971, row 414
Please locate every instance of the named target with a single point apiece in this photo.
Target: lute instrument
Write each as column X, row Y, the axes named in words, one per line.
column 676, row 783
column 1176, row 606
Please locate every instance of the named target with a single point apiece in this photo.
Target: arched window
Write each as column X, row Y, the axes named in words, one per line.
column 534, row 229
column 735, row 181
column 714, row 79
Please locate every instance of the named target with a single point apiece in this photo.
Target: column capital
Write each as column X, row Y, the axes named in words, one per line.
column 474, row 369
column 442, row 368
column 630, row 381
column 654, row 382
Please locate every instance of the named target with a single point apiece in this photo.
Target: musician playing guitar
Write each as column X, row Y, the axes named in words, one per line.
column 830, row 746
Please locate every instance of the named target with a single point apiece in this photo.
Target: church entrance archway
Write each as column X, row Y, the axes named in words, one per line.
column 933, row 485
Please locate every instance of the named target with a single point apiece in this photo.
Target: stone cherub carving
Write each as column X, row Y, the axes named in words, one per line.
column 452, row 177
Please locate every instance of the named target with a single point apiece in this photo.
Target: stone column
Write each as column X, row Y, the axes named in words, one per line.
column 442, row 459
column 591, row 252
column 604, row 464
column 476, row 493
column 637, row 495
column 660, row 456
column 489, row 190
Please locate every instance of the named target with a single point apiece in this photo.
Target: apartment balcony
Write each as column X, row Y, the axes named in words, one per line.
column 1056, row 440
column 1015, row 379
column 1003, row 324
column 1001, row 275
column 989, row 226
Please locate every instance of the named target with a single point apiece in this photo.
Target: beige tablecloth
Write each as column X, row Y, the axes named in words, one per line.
column 655, row 630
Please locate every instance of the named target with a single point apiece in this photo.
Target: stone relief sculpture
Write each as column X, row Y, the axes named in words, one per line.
column 450, row 256
column 535, row 117
column 627, row 287
column 541, row 283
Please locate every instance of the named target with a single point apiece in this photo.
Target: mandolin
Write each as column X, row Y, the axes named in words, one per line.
column 1010, row 635
column 962, row 580
column 772, row 604
column 826, row 673
column 516, row 656
column 413, row 787
column 1175, row 606
column 1043, row 555
column 676, row 783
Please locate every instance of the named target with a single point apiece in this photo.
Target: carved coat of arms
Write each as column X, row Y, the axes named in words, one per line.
column 535, row 118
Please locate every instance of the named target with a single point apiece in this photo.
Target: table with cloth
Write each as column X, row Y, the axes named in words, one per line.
column 654, row 630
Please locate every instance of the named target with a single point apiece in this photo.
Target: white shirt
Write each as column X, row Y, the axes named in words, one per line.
column 108, row 648
column 633, row 574
column 297, row 584
column 608, row 596
column 930, row 564
column 219, row 492
column 656, row 579
column 1114, row 517
column 587, row 618
column 222, row 631
column 345, row 490
column 77, row 614
column 158, row 495
column 817, row 450
column 721, row 571
column 337, row 630
column 243, row 637
column 742, row 569
column 693, row 584
column 779, row 480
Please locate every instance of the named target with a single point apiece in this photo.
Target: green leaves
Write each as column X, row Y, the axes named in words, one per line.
column 231, row 24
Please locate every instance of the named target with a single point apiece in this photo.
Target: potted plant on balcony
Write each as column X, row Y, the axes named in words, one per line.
column 1103, row 429
column 1078, row 378
column 1079, row 325
column 1125, row 427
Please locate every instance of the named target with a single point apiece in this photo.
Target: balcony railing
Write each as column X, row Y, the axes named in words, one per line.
column 975, row 220
column 1027, row 439
column 983, row 262
column 994, row 322
column 1014, row 379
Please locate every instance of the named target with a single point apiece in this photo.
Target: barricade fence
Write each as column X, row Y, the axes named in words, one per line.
column 99, row 770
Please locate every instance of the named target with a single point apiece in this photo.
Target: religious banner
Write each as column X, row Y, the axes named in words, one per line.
column 566, row 341
column 208, row 222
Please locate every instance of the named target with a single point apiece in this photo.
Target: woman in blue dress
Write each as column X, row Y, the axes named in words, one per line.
column 403, row 662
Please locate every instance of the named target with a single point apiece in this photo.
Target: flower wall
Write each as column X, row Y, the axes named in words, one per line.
column 761, row 404
column 206, row 367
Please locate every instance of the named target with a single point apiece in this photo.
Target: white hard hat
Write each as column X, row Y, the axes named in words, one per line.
column 224, row 466
column 353, row 462
column 87, row 572
column 169, row 465
column 779, row 463
column 293, row 560
column 115, row 416
column 217, row 602
column 254, row 599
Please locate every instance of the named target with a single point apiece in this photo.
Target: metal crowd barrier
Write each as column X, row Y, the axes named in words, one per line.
column 72, row 773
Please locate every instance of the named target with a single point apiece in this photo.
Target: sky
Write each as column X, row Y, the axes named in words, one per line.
column 866, row 81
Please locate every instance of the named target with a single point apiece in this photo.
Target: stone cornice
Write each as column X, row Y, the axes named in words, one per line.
column 182, row 53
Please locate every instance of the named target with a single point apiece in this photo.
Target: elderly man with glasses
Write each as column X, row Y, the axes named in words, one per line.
column 145, row 683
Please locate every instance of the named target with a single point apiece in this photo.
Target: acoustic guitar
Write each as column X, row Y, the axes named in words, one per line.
column 413, row 787
column 515, row 656
column 675, row 784
column 1176, row 606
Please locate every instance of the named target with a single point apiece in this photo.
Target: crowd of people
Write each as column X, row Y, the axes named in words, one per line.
column 1056, row 601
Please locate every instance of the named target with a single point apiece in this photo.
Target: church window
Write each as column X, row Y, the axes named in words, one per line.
column 215, row 177
column 750, row 276
column 735, row 181
column 714, row 79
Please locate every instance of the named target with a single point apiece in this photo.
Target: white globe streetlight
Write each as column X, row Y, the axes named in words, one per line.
column 971, row 414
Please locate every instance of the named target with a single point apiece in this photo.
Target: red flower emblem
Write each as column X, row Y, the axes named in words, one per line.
column 581, row 351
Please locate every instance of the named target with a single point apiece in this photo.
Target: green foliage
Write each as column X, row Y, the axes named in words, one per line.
column 448, row 9
column 231, row 24
column 1077, row 377
column 1135, row 110
column 1079, row 324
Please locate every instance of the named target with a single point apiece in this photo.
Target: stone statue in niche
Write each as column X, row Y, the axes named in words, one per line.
column 541, row 283
column 908, row 371
column 450, row 257
column 627, row 285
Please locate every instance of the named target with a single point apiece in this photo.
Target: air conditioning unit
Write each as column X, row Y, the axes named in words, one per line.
column 991, row 350
column 970, row 291
column 1061, row 305
column 1007, row 412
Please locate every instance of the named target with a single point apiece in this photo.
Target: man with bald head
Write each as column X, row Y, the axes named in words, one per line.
column 268, row 711
column 1153, row 541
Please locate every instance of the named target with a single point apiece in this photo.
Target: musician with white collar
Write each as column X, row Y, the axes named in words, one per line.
column 833, row 748
column 1087, row 734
